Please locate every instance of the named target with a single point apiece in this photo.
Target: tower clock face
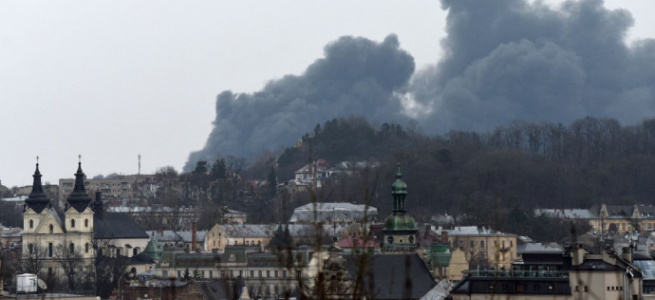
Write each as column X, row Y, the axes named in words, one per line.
column 411, row 239
column 390, row 239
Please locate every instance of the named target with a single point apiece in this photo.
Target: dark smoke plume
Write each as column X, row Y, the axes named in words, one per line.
column 507, row 60
column 504, row 60
column 356, row 77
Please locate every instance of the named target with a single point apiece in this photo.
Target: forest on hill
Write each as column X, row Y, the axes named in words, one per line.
column 495, row 177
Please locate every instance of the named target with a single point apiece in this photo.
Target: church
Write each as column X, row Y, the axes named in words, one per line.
column 54, row 242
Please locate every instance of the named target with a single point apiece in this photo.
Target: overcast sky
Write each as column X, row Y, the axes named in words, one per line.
column 114, row 79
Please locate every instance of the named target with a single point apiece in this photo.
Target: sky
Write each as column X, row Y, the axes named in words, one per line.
column 109, row 80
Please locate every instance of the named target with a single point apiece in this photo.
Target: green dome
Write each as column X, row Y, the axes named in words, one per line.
column 399, row 222
column 399, row 187
column 154, row 249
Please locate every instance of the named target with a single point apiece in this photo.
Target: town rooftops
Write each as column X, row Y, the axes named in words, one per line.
column 393, row 276
column 470, row 231
column 333, row 211
column 574, row 213
column 116, row 225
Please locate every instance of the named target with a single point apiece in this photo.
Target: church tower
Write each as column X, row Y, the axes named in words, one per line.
column 79, row 217
column 399, row 227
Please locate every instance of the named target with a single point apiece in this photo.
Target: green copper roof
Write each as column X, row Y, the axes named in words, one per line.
column 400, row 222
column 399, row 186
column 154, row 249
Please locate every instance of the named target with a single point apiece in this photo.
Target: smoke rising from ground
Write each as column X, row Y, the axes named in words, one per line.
column 356, row 77
column 503, row 60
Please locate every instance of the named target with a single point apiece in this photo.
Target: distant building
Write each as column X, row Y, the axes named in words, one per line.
column 609, row 218
column 482, row 245
column 330, row 212
column 119, row 187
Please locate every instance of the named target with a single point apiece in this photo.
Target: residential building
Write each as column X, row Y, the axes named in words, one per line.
column 331, row 212
column 119, row 187
column 571, row 274
column 482, row 245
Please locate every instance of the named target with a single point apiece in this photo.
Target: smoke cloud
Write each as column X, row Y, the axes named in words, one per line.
column 507, row 60
column 503, row 60
column 356, row 77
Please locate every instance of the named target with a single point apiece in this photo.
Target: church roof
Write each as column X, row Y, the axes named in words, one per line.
column 116, row 225
column 79, row 199
column 394, row 276
column 37, row 200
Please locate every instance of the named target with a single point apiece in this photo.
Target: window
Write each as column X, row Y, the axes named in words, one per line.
column 135, row 251
column 284, row 274
column 586, row 288
column 86, row 223
column 31, row 248
column 72, row 248
column 481, row 244
column 179, row 274
column 275, row 274
column 31, row 223
column 50, row 271
column 202, row 274
column 472, row 244
column 252, row 274
column 118, row 252
column 298, row 274
column 260, row 273
column 72, row 223
column 86, row 248
column 49, row 249
column 211, row 274
column 52, row 228
column 164, row 273
column 268, row 274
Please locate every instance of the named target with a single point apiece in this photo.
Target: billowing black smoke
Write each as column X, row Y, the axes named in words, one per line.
column 507, row 60
column 504, row 60
column 356, row 77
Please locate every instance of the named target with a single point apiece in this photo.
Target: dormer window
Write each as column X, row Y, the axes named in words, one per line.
column 86, row 223
column 52, row 228
column 72, row 223
column 31, row 223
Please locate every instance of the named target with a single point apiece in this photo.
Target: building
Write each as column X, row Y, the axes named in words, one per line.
column 331, row 212
column 222, row 235
column 399, row 227
column 571, row 274
column 119, row 187
column 482, row 245
column 83, row 232
column 609, row 218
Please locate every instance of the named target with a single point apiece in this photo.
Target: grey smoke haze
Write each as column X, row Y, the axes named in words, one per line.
column 503, row 60
column 507, row 60
column 357, row 76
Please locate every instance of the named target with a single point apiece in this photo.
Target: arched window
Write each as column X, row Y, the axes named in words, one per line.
column 52, row 228
column 73, row 223
column 118, row 252
column 72, row 248
column 31, row 223
column 86, row 248
column 135, row 251
column 86, row 223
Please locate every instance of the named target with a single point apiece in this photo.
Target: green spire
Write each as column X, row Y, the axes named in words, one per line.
column 399, row 186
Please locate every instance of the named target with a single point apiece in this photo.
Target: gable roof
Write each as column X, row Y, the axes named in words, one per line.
column 116, row 225
column 51, row 213
column 394, row 276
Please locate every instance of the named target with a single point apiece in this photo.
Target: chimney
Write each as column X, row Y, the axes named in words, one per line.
column 444, row 237
column 194, row 236
column 578, row 253
column 627, row 253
